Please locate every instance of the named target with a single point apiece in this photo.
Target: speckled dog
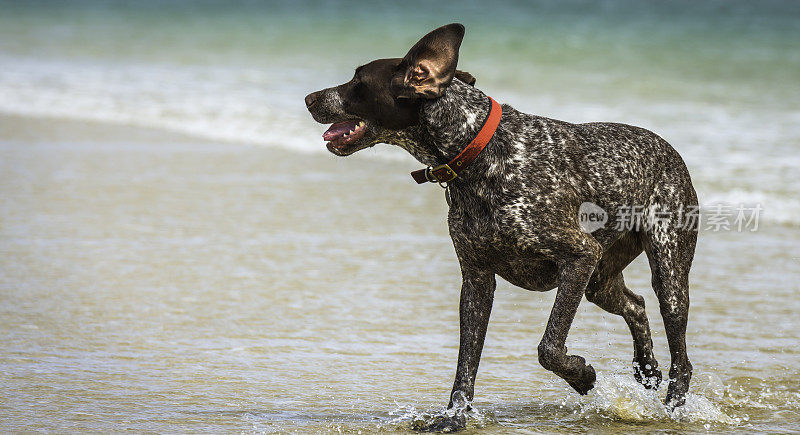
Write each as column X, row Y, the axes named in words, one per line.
column 515, row 209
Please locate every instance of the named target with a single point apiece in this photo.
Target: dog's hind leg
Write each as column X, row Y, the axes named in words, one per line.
column 670, row 250
column 613, row 296
column 607, row 290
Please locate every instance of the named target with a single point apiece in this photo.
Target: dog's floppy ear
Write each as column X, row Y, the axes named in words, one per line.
column 429, row 67
column 465, row 77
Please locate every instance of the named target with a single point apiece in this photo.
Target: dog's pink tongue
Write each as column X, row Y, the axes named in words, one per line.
column 339, row 129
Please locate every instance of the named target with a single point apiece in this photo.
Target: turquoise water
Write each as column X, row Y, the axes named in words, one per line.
column 165, row 266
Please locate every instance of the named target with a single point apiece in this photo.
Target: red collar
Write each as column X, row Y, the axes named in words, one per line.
column 450, row 170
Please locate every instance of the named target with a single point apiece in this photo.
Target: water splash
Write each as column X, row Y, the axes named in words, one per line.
column 619, row 396
column 435, row 417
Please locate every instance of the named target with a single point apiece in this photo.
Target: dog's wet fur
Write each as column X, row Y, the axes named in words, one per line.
column 514, row 210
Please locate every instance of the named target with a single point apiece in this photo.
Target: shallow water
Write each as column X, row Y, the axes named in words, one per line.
column 189, row 286
column 179, row 253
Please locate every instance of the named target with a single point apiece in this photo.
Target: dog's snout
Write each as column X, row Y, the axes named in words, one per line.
column 311, row 99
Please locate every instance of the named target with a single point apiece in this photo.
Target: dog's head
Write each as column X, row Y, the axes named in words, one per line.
column 385, row 95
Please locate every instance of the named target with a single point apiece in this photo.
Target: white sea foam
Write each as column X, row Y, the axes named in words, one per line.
column 244, row 106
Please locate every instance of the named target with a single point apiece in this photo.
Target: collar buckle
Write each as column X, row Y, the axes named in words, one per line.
column 440, row 174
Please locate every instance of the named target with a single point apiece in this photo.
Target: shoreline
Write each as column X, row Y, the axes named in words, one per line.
column 14, row 126
column 384, row 159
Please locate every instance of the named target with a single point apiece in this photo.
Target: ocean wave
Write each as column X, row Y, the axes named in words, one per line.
column 231, row 105
column 735, row 155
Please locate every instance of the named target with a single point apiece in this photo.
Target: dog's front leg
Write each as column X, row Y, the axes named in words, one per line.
column 576, row 265
column 477, row 295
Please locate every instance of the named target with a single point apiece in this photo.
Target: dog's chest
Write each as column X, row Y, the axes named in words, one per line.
column 503, row 240
column 491, row 221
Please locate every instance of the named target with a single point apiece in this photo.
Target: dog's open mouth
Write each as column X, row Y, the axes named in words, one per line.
column 344, row 133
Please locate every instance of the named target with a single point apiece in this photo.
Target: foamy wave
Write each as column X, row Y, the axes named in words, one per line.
column 226, row 104
column 777, row 208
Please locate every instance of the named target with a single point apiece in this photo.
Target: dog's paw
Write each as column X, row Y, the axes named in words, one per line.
column 585, row 382
column 676, row 395
column 441, row 423
column 648, row 376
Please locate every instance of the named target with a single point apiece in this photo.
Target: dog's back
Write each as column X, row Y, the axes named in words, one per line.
column 542, row 168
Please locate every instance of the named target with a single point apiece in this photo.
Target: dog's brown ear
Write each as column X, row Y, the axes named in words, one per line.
column 429, row 67
column 465, row 77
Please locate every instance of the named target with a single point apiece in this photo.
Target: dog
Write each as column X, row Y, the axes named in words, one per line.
column 516, row 201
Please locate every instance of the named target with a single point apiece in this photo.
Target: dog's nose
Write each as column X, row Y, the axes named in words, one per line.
column 311, row 99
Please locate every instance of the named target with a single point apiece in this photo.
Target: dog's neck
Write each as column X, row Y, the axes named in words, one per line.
column 447, row 124
column 454, row 119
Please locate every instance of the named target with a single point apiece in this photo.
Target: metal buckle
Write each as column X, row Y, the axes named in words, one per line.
column 429, row 174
